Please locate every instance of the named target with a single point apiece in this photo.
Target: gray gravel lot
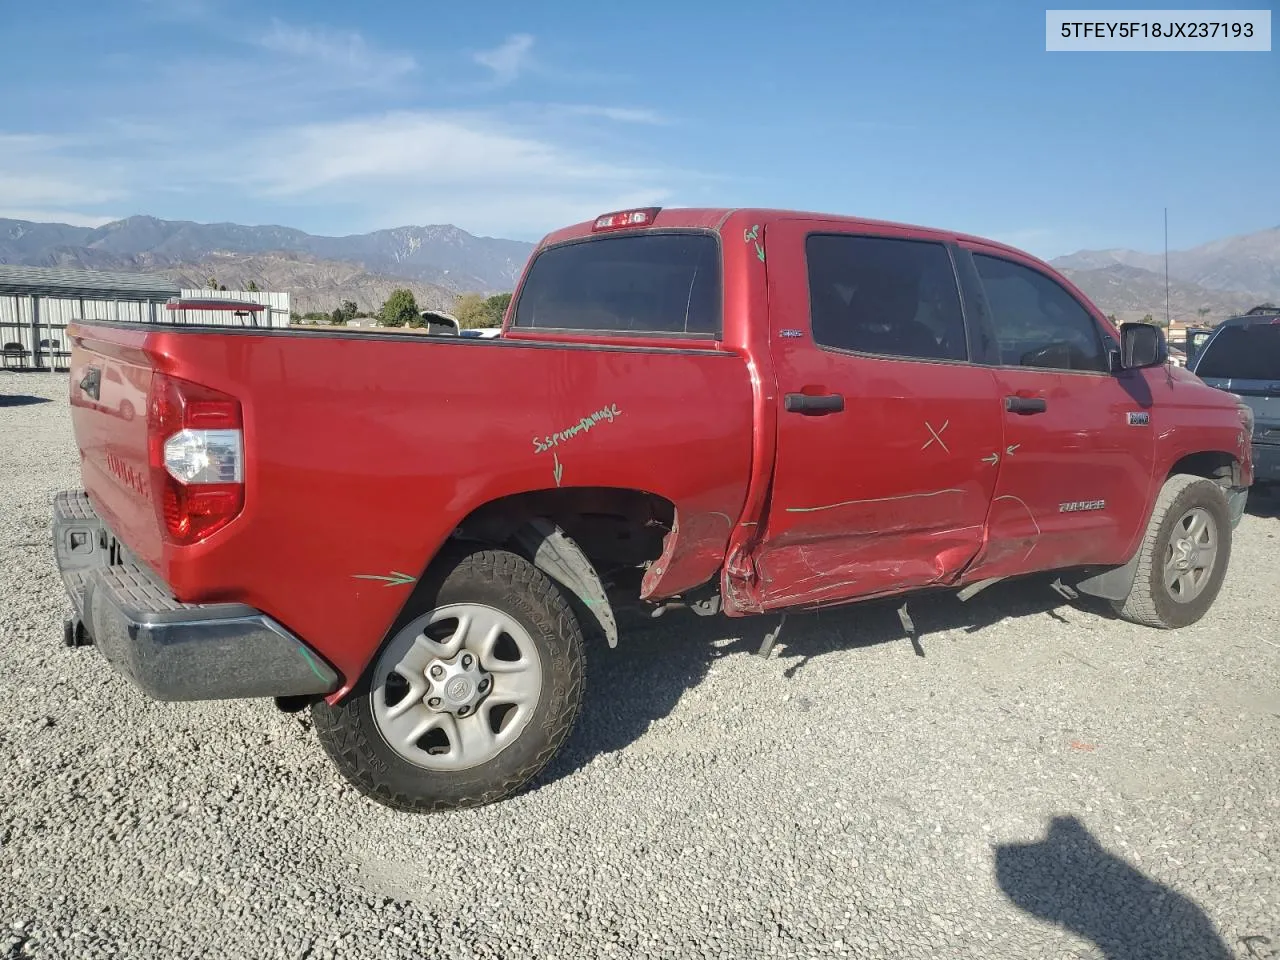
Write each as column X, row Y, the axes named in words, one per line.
column 1045, row 782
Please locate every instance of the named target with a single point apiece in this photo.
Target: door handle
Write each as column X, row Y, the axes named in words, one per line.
column 1026, row 404
column 805, row 403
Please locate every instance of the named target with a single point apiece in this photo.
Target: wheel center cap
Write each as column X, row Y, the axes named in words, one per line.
column 457, row 685
column 459, row 689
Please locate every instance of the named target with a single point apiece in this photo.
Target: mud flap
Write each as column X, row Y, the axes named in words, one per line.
column 1112, row 584
column 556, row 554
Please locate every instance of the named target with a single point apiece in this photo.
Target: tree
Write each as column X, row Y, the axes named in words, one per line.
column 474, row 310
column 497, row 307
column 1148, row 319
column 400, row 309
column 1112, row 318
column 470, row 310
column 338, row 318
column 251, row 287
column 1202, row 312
column 349, row 309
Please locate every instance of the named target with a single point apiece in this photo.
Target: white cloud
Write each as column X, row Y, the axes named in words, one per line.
column 71, row 217
column 342, row 50
column 425, row 166
column 616, row 114
column 39, row 181
column 508, row 60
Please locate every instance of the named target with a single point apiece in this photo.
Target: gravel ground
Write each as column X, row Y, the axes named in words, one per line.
column 1044, row 782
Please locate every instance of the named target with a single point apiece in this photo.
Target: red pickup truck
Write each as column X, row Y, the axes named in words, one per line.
column 738, row 411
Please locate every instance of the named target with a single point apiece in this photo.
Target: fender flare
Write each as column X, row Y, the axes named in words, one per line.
column 556, row 554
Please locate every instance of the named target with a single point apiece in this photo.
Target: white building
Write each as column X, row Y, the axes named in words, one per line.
column 37, row 303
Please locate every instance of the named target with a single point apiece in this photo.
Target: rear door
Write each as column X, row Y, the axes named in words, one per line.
column 1079, row 441
column 883, row 474
column 1244, row 359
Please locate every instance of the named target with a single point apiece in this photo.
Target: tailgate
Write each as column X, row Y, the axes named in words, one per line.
column 110, row 389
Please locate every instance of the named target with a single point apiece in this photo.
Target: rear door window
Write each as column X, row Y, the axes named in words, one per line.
column 885, row 296
column 1242, row 353
column 645, row 283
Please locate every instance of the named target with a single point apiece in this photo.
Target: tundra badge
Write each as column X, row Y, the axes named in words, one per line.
column 1076, row 505
column 1139, row 419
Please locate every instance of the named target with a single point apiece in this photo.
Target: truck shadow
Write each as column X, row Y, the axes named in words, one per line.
column 20, row 400
column 1069, row 879
column 656, row 661
column 1264, row 503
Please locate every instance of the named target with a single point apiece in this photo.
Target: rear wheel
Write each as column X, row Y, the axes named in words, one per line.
column 1184, row 555
column 471, row 698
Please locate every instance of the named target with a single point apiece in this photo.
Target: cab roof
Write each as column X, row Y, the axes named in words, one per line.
column 714, row 218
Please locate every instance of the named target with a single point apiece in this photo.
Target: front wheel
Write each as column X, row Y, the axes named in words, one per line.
column 471, row 698
column 1184, row 555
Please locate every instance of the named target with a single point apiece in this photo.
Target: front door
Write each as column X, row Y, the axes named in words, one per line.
column 1079, row 441
column 883, row 473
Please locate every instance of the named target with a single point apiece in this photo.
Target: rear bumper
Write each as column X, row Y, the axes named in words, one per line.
column 172, row 650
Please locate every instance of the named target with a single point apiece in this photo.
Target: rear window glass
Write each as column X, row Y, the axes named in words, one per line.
column 648, row 283
column 1242, row 353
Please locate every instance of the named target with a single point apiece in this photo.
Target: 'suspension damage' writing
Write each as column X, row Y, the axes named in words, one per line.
column 586, row 423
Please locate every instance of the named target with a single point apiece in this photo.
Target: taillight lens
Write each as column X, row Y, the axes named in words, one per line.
column 195, row 440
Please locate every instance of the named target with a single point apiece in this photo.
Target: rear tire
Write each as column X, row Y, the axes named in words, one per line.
column 1183, row 557
column 508, row 605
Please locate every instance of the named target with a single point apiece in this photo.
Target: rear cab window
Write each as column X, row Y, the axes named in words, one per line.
column 643, row 283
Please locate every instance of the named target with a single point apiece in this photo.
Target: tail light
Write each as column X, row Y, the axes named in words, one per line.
column 625, row 218
column 195, row 446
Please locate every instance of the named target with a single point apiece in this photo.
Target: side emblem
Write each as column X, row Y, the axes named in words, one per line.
column 789, row 332
column 1078, row 505
column 1139, row 419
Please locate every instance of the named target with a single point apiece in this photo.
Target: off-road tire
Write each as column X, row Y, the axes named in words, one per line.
column 1149, row 601
column 500, row 579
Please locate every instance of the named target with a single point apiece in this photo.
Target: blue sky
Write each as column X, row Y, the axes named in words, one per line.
column 510, row 119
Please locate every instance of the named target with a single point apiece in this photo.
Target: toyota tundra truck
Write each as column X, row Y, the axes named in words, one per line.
column 741, row 412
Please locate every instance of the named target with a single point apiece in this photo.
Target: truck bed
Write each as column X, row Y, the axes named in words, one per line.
column 363, row 450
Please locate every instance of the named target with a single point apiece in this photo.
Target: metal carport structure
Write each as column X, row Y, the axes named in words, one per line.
column 37, row 303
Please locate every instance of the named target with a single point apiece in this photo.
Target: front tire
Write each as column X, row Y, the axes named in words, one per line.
column 469, row 699
column 1184, row 555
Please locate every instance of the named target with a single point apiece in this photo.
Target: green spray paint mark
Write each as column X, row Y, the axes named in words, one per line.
column 397, row 579
column 311, row 662
column 760, row 253
column 752, row 234
column 559, row 468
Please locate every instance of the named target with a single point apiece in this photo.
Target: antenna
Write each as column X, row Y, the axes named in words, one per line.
column 1166, row 268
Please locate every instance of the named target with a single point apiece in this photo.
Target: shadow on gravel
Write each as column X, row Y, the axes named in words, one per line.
column 656, row 661
column 1264, row 503
column 20, row 400
column 1070, row 880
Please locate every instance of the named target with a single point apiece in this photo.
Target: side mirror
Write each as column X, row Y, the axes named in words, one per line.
column 1142, row 345
column 1196, row 339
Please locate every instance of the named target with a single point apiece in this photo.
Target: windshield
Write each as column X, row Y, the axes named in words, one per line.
column 1242, row 353
column 645, row 283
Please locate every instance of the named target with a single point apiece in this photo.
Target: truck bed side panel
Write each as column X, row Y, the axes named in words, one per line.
column 364, row 452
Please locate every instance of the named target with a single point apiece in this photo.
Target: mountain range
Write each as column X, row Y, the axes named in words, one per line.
column 1223, row 277
column 1226, row 276
column 442, row 255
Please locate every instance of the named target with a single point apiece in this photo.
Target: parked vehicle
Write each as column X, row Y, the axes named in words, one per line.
column 735, row 411
column 1242, row 357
